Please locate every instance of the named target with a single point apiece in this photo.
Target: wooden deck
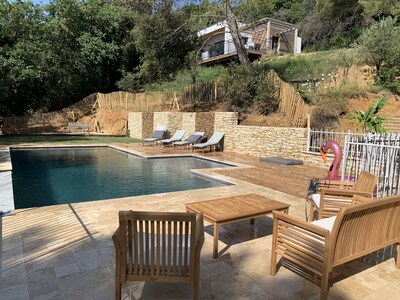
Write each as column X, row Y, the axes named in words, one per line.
column 293, row 180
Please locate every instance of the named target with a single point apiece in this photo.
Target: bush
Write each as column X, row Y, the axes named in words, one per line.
column 243, row 91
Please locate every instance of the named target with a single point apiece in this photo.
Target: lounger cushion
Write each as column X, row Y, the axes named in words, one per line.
column 316, row 198
column 326, row 223
column 193, row 138
column 158, row 134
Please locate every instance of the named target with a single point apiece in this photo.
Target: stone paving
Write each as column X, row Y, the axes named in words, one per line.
column 66, row 251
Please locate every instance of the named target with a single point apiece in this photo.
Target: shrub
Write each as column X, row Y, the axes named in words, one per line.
column 243, row 91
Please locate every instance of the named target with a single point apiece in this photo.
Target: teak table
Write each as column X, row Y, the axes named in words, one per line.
column 233, row 209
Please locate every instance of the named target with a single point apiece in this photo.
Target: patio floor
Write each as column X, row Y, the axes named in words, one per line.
column 66, row 251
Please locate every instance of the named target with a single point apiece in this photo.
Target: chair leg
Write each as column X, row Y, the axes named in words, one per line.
column 398, row 256
column 273, row 263
column 324, row 285
column 118, row 288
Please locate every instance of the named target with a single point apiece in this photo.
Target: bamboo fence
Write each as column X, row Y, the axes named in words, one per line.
column 291, row 105
column 133, row 101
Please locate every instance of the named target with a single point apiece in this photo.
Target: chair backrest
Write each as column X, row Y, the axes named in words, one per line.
column 363, row 228
column 366, row 182
column 216, row 138
column 178, row 135
column 158, row 245
column 161, row 128
column 195, row 137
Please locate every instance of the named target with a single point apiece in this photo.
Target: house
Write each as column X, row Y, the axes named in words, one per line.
column 263, row 36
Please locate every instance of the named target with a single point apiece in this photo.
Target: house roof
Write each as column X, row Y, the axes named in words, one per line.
column 277, row 24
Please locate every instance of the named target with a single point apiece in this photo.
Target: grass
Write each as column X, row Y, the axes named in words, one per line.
column 184, row 79
column 40, row 139
column 302, row 67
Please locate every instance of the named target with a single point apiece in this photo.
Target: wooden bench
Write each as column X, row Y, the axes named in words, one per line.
column 77, row 126
column 359, row 229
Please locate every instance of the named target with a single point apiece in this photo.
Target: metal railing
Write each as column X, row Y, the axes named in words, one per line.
column 227, row 46
column 315, row 138
column 380, row 155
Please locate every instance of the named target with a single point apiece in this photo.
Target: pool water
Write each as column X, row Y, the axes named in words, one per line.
column 69, row 175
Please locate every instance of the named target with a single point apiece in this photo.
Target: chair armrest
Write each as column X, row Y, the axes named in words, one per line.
column 199, row 232
column 307, row 226
column 357, row 199
column 303, row 243
column 336, row 184
column 340, row 192
column 117, row 240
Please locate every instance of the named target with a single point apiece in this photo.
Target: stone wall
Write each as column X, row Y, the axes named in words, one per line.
column 205, row 122
column 252, row 140
column 135, row 125
column 188, row 123
column 148, row 124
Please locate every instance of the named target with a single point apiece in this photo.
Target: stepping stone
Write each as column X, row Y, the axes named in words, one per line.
column 281, row 161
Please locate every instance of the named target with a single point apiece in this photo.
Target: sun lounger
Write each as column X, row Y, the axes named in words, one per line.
column 158, row 134
column 213, row 142
column 191, row 140
column 178, row 135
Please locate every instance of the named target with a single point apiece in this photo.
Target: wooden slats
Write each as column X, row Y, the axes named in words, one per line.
column 358, row 230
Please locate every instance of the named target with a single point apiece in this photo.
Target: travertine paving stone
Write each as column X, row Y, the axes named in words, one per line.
column 66, row 251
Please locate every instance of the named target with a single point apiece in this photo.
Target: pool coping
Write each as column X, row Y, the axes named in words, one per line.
column 209, row 173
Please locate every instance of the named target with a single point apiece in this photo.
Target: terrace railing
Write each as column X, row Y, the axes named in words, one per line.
column 378, row 154
column 227, row 46
column 316, row 138
column 375, row 153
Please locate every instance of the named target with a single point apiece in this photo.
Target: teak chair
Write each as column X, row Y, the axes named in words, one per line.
column 158, row 246
column 330, row 200
column 358, row 229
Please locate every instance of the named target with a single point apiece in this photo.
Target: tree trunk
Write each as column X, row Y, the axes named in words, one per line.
column 236, row 37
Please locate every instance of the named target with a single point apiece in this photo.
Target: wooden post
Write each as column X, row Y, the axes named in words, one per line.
column 215, row 90
column 268, row 41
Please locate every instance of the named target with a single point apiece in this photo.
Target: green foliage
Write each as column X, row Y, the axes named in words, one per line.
column 184, row 78
column 302, row 67
column 164, row 41
column 243, row 91
column 377, row 10
column 53, row 55
column 369, row 119
column 331, row 104
column 379, row 48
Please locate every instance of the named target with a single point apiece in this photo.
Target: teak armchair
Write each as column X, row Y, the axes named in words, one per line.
column 359, row 229
column 339, row 194
column 158, row 246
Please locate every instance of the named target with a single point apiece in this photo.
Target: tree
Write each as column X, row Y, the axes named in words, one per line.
column 164, row 40
column 379, row 48
column 236, row 37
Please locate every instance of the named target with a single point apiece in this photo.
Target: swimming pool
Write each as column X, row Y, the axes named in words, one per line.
column 49, row 176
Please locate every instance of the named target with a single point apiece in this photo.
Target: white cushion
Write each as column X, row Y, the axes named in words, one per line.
column 316, row 198
column 326, row 223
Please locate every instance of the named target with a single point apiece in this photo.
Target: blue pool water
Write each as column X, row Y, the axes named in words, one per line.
column 69, row 175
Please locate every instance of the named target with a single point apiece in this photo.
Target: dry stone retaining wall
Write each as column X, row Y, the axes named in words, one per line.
column 252, row 140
